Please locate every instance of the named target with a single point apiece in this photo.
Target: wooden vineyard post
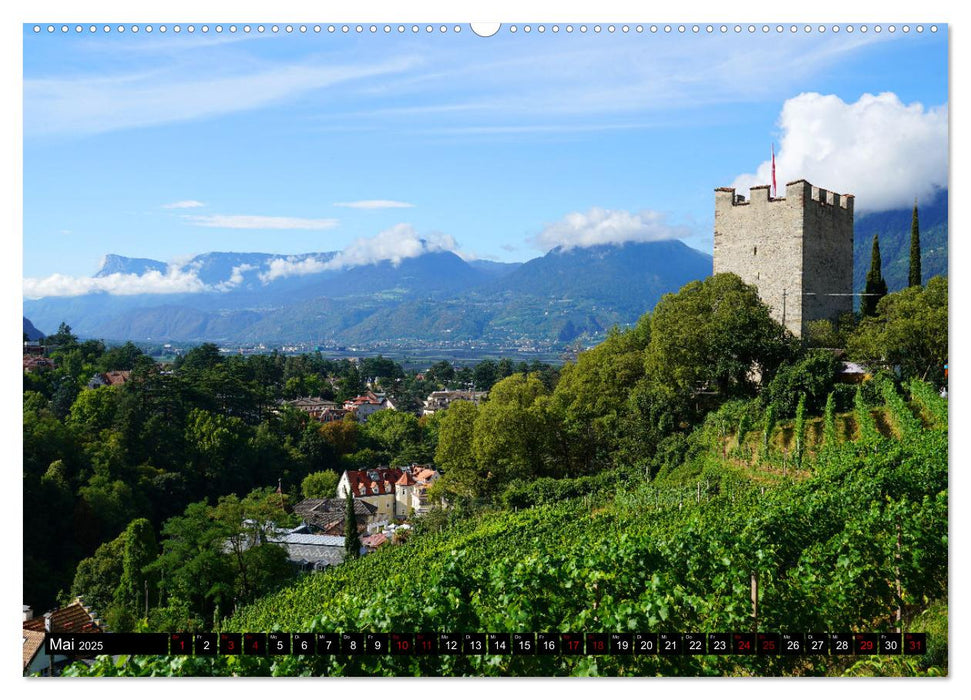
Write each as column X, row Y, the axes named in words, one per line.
column 755, row 601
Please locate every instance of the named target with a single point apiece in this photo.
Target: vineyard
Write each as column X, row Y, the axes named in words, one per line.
column 852, row 535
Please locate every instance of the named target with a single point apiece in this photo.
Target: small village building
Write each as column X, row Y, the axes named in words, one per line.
column 440, row 400
column 310, row 552
column 115, row 378
column 373, row 486
column 326, row 515
column 37, row 363
column 367, row 404
column 411, row 491
column 853, row 373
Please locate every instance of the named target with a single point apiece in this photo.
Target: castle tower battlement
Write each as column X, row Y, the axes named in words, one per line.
column 797, row 250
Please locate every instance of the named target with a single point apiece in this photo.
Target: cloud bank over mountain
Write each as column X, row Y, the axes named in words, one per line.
column 607, row 226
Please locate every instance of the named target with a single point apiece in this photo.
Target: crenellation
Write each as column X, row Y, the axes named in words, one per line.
column 759, row 194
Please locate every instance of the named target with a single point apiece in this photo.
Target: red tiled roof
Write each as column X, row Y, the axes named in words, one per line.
column 374, row 541
column 363, row 484
column 33, row 362
column 405, row 480
column 73, row 618
column 117, row 378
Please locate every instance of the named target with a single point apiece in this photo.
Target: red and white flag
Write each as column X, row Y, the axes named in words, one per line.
column 773, row 171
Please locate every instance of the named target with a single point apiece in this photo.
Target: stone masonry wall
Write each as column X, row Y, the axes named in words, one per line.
column 796, row 250
column 828, row 256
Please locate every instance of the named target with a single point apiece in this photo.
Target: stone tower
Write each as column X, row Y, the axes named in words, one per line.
column 797, row 250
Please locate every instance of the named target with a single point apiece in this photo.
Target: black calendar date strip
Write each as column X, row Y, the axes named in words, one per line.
column 120, row 644
column 490, row 643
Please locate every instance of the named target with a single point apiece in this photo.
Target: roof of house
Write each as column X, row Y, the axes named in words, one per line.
column 292, row 538
column 73, row 618
column 116, row 378
column 406, row 480
column 33, row 641
column 312, row 402
column 318, row 556
column 35, row 361
column 374, row 541
column 425, row 474
column 327, row 514
column 373, row 482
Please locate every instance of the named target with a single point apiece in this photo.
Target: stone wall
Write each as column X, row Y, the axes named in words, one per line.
column 796, row 250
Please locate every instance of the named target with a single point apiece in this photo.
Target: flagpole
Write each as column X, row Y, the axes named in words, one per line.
column 774, row 191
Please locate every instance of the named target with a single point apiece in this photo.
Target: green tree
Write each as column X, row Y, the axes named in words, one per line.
column 94, row 410
column 120, row 357
column 194, row 567
column 137, row 585
column 64, row 338
column 214, row 558
column 811, row 377
column 462, row 475
column 875, row 288
column 591, row 394
column 397, row 434
column 514, row 431
column 343, row 436
column 64, row 395
column 320, row 485
column 352, row 539
column 97, row 577
column 485, row 375
column 714, row 335
column 442, row 372
column 914, row 279
column 216, row 444
column 909, row 331
column 201, row 357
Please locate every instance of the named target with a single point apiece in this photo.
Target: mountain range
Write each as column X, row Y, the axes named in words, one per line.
column 437, row 298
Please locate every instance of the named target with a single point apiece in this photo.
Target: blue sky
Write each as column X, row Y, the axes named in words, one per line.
column 164, row 146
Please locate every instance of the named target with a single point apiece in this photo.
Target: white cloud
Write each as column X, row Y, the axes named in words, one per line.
column 235, row 277
column 606, row 226
column 292, row 266
column 244, row 221
column 184, row 204
column 375, row 204
column 877, row 148
column 392, row 245
column 175, row 280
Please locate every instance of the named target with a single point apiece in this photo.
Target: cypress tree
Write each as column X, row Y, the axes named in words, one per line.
column 352, row 540
column 875, row 288
column 914, row 278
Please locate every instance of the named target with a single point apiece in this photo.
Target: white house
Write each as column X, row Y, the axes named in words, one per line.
column 367, row 403
column 411, row 491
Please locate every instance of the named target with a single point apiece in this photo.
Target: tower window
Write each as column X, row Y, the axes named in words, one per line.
column 755, row 250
